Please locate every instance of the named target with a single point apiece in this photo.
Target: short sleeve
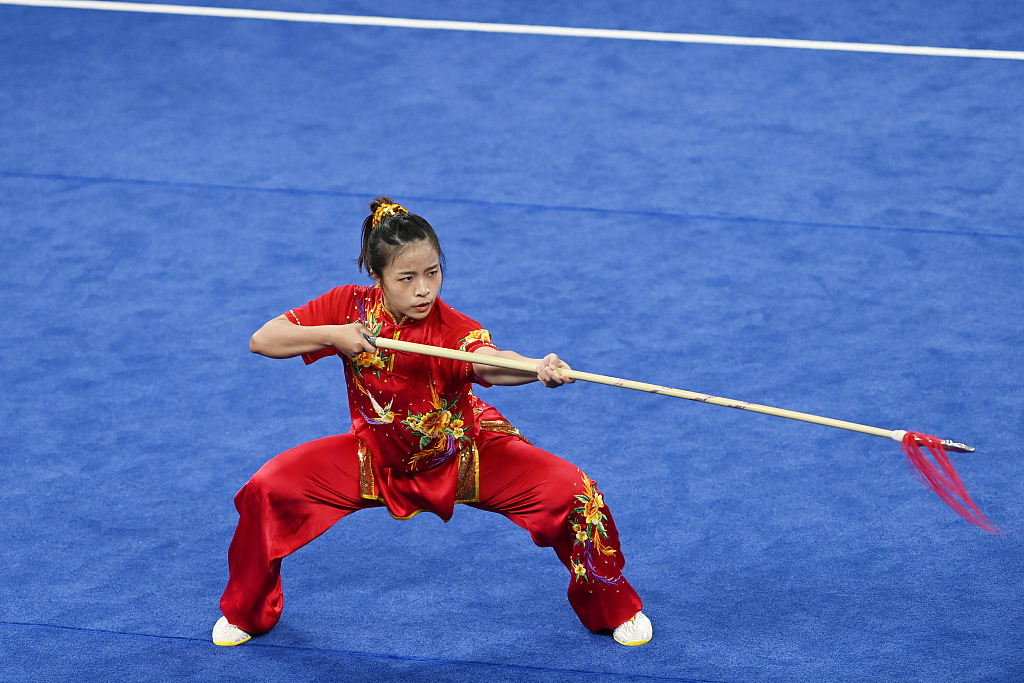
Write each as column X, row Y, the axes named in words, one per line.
column 328, row 309
column 474, row 340
column 470, row 341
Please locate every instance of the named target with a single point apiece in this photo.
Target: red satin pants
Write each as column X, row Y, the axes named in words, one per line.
column 301, row 493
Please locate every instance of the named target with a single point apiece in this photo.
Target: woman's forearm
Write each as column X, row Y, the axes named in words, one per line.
column 504, row 376
column 280, row 338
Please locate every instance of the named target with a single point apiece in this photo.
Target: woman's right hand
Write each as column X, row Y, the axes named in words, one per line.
column 350, row 340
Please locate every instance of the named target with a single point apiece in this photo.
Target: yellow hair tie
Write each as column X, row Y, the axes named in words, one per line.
column 385, row 210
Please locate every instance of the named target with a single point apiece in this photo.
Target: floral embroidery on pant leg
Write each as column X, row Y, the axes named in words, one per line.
column 588, row 529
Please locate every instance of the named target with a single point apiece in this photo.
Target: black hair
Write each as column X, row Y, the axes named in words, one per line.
column 394, row 230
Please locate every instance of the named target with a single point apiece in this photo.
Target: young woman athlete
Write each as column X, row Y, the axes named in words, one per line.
column 420, row 441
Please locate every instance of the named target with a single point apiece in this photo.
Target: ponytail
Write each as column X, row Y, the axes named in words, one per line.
column 386, row 230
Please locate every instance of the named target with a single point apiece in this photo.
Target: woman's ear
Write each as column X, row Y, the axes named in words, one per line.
column 376, row 278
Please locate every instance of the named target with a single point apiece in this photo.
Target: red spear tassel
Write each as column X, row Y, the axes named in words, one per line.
column 944, row 482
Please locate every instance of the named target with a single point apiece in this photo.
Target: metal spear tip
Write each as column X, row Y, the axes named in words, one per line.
column 956, row 447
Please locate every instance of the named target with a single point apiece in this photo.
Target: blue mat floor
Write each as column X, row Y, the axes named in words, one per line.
column 832, row 233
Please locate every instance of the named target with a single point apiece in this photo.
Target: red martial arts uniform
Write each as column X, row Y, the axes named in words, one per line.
column 420, row 440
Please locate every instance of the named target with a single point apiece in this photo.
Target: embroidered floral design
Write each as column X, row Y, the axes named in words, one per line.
column 475, row 335
column 441, row 425
column 588, row 530
column 366, row 359
column 478, row 407
column 372, row 318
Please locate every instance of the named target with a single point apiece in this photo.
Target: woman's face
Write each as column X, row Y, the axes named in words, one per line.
column 411, row 282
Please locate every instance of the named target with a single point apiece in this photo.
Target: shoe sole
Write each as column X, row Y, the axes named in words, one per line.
column 230, row 644
column 633, row 643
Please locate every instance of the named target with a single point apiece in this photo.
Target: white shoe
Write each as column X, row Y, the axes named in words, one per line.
column 636, row 631
column 229, row 634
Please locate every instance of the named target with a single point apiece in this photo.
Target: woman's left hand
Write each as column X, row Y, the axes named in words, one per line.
column 547, row 371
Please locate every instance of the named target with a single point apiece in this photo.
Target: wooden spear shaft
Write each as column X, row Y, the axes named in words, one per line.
column 452, row 354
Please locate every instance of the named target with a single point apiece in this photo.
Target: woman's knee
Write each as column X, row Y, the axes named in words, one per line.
column 279, row 480
column 321, row 471
column 261, row 491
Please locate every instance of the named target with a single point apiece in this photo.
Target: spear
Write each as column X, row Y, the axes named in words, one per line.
column 943, row 479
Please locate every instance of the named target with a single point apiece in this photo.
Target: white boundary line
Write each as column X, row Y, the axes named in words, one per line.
column 613, row 34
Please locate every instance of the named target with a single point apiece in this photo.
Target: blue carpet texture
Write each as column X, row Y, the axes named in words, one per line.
column 841, row 234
